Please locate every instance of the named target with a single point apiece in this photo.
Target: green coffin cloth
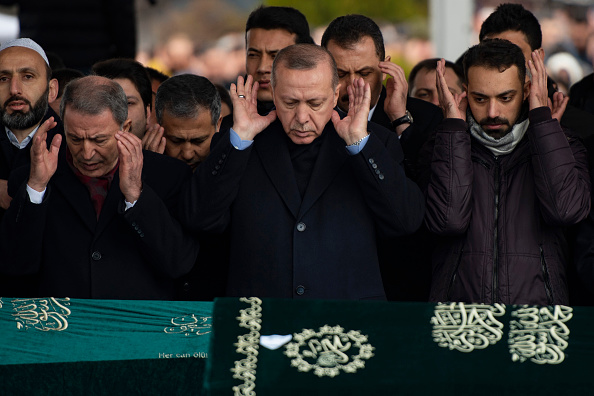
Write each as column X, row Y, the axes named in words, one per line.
column 73, row 346
column 381, row 348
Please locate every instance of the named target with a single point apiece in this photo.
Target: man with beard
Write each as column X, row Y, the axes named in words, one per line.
column 306, row 195
column 505, row 180
column 26, row 88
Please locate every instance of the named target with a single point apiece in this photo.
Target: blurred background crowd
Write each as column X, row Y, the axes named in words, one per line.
column 206, row 37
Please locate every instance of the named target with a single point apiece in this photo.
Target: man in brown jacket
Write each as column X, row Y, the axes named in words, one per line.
column 505, row 179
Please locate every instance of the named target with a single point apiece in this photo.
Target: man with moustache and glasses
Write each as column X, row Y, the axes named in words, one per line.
column 505, row 180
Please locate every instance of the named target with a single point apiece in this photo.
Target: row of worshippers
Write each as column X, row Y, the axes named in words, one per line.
column 321, row 183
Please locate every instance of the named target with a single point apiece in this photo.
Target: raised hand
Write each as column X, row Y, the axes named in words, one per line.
column 453, row 106
column 4, row 197
column 153, row 139
column 396, row 90
column 353, row 127
column 44, row 162
column 558, row 105
column 247, row 123
column 131, row 160
column 538, row 82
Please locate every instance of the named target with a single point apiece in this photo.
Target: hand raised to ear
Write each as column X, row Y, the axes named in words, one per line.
column 44, row 162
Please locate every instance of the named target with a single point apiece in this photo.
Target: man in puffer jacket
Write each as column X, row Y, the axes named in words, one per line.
column 505, row 180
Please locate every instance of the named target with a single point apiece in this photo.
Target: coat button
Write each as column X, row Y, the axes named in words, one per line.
column 96, row 256
column 300, row 290
column 381, row 177
column 371, row 161
column 301, row 227
column 374, row 166
column 186, row 286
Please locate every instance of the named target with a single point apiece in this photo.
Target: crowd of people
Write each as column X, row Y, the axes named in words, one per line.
column 323, row 172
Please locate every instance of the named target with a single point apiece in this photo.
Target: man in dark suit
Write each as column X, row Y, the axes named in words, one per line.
column 305, row 198
column 357, row 45
column 94, row 220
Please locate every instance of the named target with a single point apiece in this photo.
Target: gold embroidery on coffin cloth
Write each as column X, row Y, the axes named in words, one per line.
column 247, row 344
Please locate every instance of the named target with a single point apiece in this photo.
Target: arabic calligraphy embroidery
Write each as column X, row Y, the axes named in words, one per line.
column 466, row 327
column 190, row 324
column 45, row 314
column 329, row 351
column 540, row 335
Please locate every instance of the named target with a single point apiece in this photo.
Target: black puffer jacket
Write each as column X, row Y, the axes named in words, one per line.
column 502, row 219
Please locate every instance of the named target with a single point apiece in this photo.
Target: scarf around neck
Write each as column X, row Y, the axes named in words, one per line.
column 504, row 145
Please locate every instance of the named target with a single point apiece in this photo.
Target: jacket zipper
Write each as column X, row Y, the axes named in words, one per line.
column 547, row 278
column 449, row 294
column 494, row 294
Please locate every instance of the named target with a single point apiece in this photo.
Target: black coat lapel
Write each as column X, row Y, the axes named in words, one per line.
column 330, row 159
column 74, row 192
column 272, row 148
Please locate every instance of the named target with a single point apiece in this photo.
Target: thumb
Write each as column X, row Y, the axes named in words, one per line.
column 335, row 118
column 270, row 117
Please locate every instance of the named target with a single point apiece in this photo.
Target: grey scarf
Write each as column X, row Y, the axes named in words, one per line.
column 504, row 145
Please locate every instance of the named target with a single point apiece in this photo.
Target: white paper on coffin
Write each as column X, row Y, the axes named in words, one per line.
column 275, row 341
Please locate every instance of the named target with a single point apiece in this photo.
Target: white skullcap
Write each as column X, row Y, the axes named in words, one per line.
column 25, row 43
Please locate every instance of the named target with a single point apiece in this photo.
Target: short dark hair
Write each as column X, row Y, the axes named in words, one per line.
column 184, row 95
column 431, row 64
column 348, row 30
column 516, row 18
column 225, row 96
column 129, row 69
column 155, row 74
column 92, row 95
column 496, row 54
column 303, row 57
column 64, row 76
column 286, row 18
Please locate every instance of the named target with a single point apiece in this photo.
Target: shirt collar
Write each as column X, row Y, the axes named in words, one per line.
column 15, row 142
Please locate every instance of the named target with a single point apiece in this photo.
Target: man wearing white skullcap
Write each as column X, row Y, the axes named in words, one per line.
column 26, row 88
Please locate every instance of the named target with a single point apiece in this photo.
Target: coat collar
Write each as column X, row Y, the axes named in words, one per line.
column 272, row 148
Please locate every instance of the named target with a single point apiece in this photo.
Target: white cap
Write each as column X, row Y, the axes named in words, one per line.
column 26, row 43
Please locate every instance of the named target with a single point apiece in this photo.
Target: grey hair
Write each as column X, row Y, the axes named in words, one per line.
column 183, row 96
column 303, row 57
column 92, row 95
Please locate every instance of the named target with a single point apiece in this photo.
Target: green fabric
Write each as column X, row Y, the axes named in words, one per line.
column 61, row 330
column 103, row 347
column 407, row 357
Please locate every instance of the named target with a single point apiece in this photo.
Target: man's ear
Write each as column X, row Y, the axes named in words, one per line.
column 336, row 95
column 387, row 59
column 53, row 90
column 127, row 125
column 218, row 126
column 527, row 86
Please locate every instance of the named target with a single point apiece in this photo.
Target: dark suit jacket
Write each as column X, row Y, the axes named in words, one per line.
column 426, row 117
column 134, row 254
column 12, row 158
column 323, row 246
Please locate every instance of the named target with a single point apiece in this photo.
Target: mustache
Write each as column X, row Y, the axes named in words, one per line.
column 301, row 127
column 15, row 98
column 494, row 121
